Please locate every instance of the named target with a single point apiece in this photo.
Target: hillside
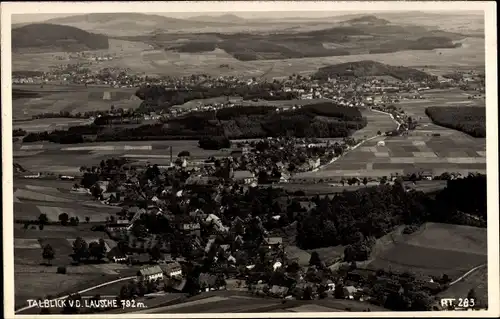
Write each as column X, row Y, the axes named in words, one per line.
column 53, row 37
column 370, row 68
column 369, row 19
column 131, row 23
column 227, row 18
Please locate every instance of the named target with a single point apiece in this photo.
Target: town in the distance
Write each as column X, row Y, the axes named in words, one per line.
column 228, row 164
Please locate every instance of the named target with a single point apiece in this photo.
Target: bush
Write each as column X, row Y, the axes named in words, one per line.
column 61, row 270
column 410, row 229
column 214, row 143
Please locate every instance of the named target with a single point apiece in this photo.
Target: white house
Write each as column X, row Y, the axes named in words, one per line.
column 277, row 265
column 172, row 270
column 150, row 273
column 380, row 143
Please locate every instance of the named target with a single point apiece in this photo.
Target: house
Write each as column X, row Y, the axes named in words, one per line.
column 285, row 177
column 208, row 282
column 277, row 265
column 116, row 255
column 273, row 242
column 278, row 291
column 142, row 258
column 216, row 222
column 150, row 273
column 244, row 176
column 350, row 292
column 173, row 269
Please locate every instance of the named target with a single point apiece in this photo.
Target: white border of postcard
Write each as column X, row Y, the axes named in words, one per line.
column 489, row 9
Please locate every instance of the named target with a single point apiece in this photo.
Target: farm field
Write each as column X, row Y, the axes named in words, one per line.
column 433, row 250
column 138, row 57
column 28, row 242
column 41, row 125
column 451, row 151
column 72, row 98
column 58, row 158
column 377, row 121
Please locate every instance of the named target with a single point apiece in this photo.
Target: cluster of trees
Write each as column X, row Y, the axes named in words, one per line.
column 24, row 94
column 357, row 218
column 214, row 142
column 18, row 132
column 72, row 135
column 318, row 120
column 84, row 252
column 139, row 288
column 467, row 119
column 371, row 68
column 424, row 43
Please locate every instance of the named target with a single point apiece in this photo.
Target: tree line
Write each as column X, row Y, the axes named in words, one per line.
column 467, row 119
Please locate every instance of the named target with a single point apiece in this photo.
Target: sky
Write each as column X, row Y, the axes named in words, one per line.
column 30, row 18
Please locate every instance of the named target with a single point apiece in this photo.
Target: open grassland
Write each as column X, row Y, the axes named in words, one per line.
column 68, row 98
column 433, row 250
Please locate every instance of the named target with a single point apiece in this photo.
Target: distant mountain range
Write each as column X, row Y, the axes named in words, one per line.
column 243, row 38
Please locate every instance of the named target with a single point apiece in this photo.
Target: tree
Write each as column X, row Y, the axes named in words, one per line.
column 48, row 253
column 379, row 133
column 471, row 295
column 184, row 154
column 61, row 270
column 141, row 289
column 365, row 181
column 155, row 252
column 124, row 292
column 315, row 260
column 63, row 218
column 308, row 293
column 80, row 249
column 87, row 219
column 40, row 226
column 339, row 291
column 42, row 219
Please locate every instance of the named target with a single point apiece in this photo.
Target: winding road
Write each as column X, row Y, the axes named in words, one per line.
column 467, row 274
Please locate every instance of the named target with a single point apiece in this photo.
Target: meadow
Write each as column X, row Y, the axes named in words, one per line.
column 433, row 250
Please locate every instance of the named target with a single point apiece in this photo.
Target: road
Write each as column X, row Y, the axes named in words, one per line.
column 467, row 274
column 82, row 291
column 359, row 144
